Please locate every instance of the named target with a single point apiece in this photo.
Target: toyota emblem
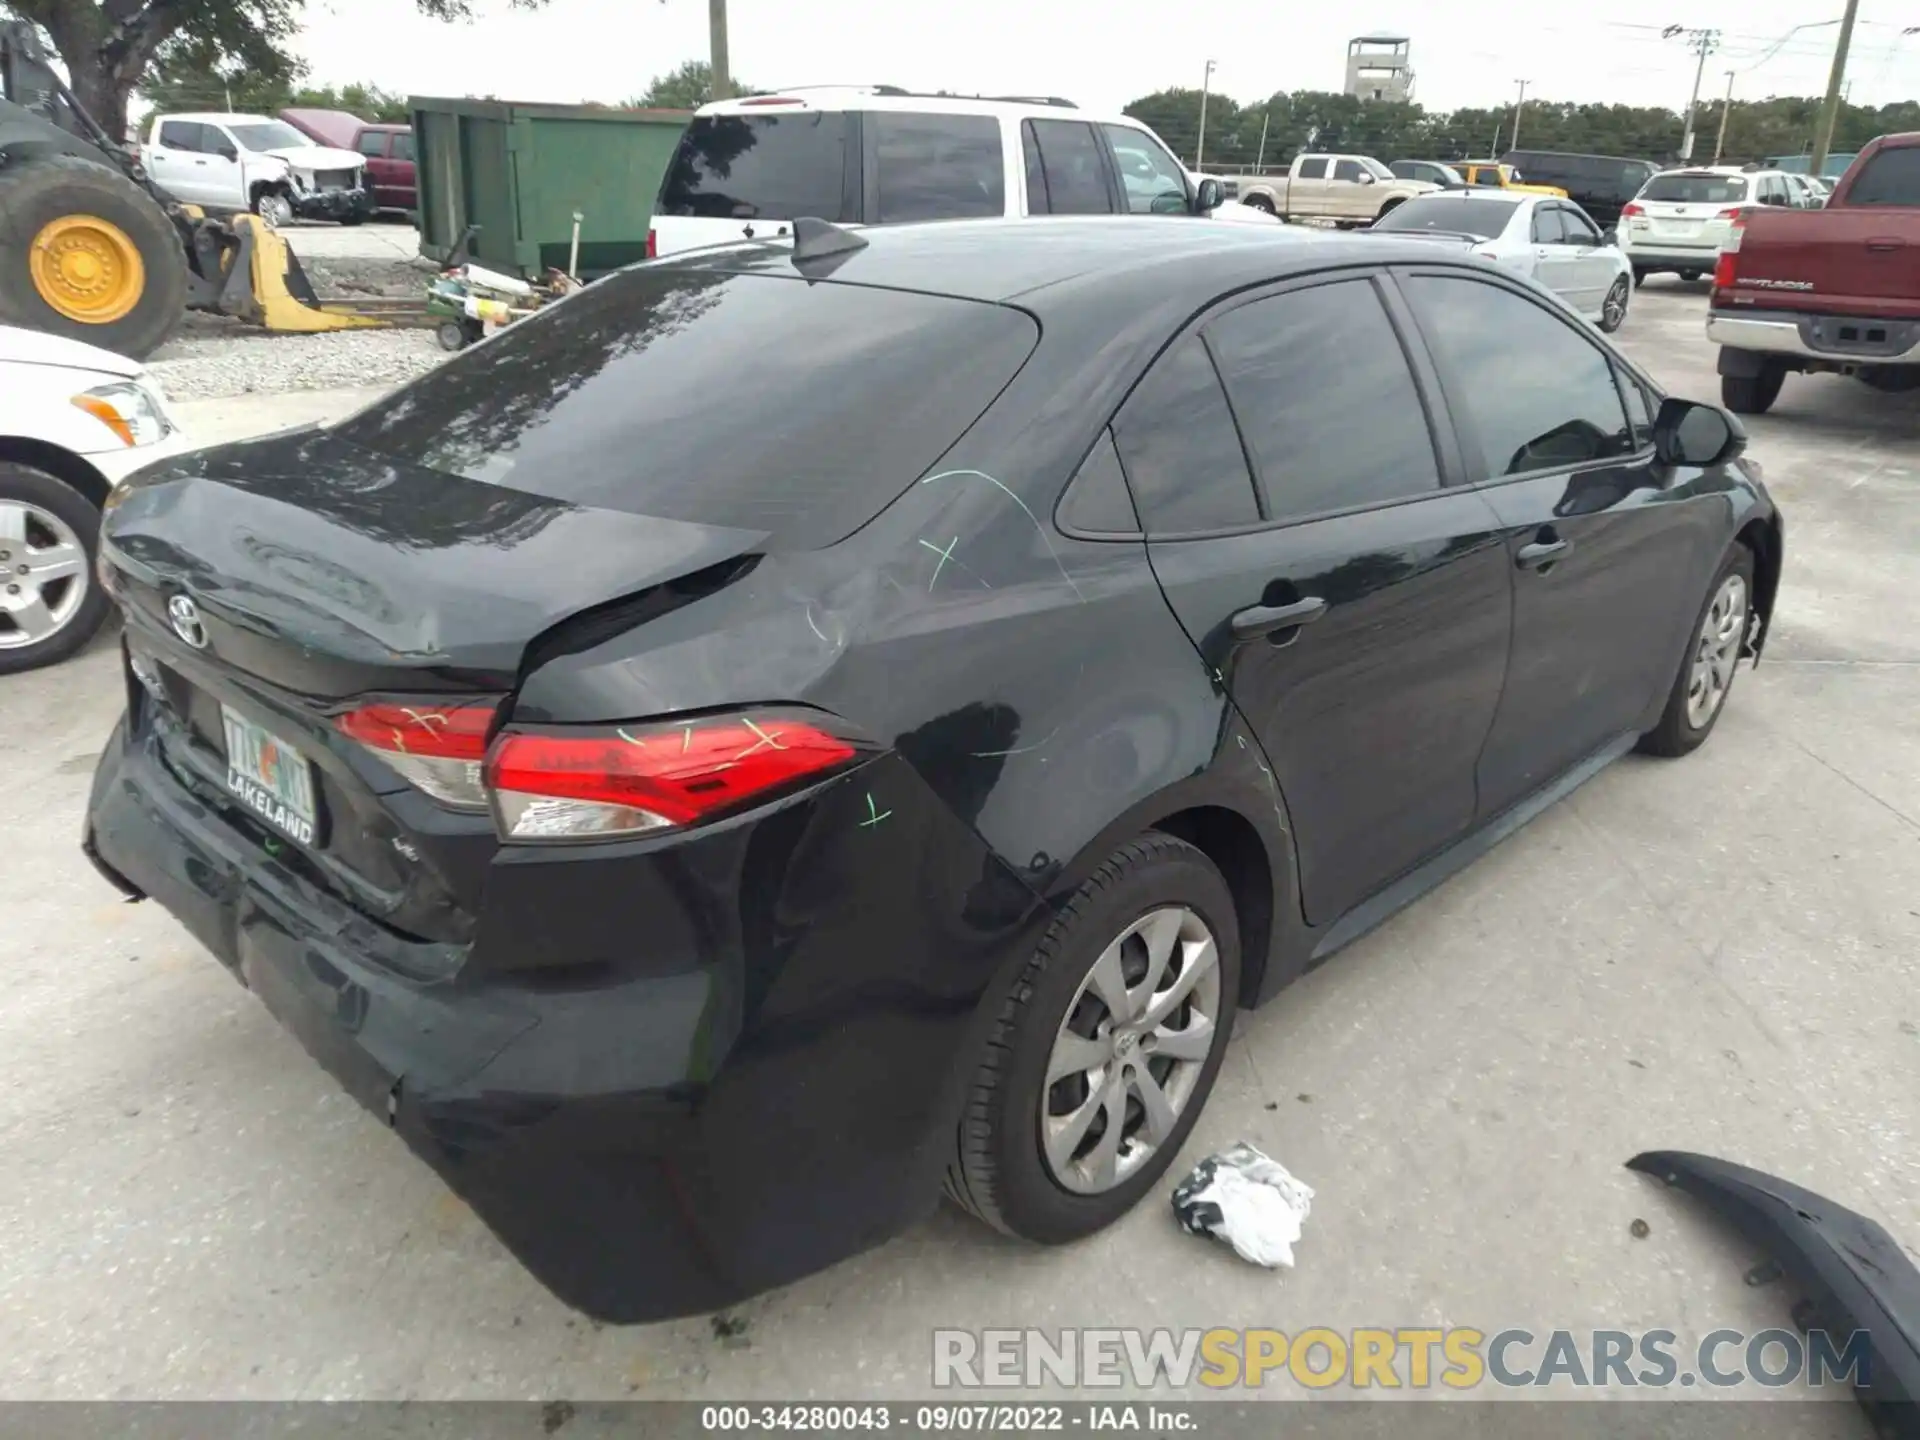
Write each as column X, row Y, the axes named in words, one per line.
column 184, row 615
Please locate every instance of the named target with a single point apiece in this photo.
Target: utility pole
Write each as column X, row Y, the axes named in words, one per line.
column 1726, row 105
column 1518, row 106
column 1200, row 145
column 722, row 87
column 1260, row 155
column 1703, row 43
column 1830, row 107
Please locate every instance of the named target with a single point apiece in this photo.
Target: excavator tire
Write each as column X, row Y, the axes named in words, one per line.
column 85, row 253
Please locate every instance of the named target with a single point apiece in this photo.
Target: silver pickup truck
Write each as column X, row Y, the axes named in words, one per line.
column 1348, row 190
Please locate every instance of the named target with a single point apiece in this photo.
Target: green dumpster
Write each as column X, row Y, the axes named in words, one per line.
column 520, row 172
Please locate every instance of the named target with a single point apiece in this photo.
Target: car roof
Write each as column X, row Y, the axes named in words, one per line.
column 892, row 97
column 1064, row 260
column 1483, row 192
column 219, row 117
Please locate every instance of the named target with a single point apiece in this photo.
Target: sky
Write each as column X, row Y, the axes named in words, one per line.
column 1107, row 52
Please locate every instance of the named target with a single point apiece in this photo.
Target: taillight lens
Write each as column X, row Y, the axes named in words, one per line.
column 1735, row 235
column 1732, row 212
column 438, row 747
column 1726, row 270
column 566, row 784
column 1630, row 209
column 653, row 244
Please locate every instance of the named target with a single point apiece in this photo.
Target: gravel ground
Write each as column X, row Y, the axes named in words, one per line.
column 212, row 356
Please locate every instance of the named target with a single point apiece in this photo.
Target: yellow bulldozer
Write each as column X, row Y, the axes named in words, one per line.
column 92, row 249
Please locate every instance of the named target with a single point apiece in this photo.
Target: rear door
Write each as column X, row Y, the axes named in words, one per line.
column 1592, row 264
column 1608, row 555
column 1068, row 171
column 179, row 162
column 1553, row 260
column 1355, row 606
column 751, row 173
column 925, row 166
column 1307, row 186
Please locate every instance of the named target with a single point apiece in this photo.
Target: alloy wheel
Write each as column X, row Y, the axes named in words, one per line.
column 276, row 210
column 1129, row 1053
column 43, row 574
column 1613, row 310
column 1718, row 651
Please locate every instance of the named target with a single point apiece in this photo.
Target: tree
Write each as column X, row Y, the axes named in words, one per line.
column 686, row 88
column 111, row 46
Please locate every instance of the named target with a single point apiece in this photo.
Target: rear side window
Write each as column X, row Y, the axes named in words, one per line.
column 1547, row 229
column 180, row 135
column 751, row 401
column 1097, row 502
column 1538, row 394
column 1313, row 169
column 937, row 167
column 1323, row 394
column 1891, row 177
column 1180, row 449
column 1073, row 173
column 744, row 167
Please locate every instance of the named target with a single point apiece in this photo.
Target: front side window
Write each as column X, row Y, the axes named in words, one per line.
column 1348, row 170
column 1538, row 394
column 1180, row 449
column 750, row 167
column 937, row 167
column 1546, row 226
column 1322, row 391
column 1155, row 184
column 1074, row 174
column 1579, row 228
column 372, row 142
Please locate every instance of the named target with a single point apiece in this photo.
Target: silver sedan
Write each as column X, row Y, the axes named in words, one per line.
column 1551, row 240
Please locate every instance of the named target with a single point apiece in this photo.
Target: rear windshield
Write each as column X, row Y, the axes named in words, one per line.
column 1696, row 189
column 746, row 167
column 1451, row 214
column 1891, row 177
column 752, row 401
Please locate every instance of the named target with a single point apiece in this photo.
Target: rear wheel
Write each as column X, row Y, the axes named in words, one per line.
column 1106, row 1048
column 1689, row 276
column 86, row 254
column 1700, row 690
column 1639, row 277
column 50, row 604
column 1259, row 202
column 1752, row 394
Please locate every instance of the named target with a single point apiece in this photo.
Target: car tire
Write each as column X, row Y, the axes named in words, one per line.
column 1154, row 892
column 1712, row 657
column 274, row 208
column 1639, row 277
column 1752, row 394
column 1687, row 277
column 1259, row 202
column 1613, row 309
column 351, row 219
column 54, row 512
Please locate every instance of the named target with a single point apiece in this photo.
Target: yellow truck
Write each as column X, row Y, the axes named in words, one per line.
column 1497, row 176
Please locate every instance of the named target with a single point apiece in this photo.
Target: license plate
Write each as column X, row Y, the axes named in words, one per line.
column 269, row 777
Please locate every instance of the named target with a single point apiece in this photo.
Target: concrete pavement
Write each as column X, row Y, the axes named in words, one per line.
column 1720, row 953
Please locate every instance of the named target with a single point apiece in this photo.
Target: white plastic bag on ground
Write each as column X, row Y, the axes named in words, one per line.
column 1248, row 1200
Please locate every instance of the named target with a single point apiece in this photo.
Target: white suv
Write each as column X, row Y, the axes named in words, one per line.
column 877, row 155
column 1681, row 218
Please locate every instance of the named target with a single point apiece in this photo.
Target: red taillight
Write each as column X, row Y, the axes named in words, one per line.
column 653, row 244
column 439, row 747
column 563, row 785
column 1732, row 212
column 1630, row 209
column 1726, row 270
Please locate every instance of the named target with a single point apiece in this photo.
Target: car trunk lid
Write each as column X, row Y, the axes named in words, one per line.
column 1843, row 261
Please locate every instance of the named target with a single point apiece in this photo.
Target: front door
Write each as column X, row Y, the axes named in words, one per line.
column 1554, row 261
column 1355, row 608
column 1592, row 265
column 1600, row 558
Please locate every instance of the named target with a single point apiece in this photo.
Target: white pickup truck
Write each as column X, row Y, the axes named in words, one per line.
column 250, row 162
column 1348, row 190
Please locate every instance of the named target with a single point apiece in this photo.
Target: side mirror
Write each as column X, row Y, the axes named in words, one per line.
column 227, row 152
column 1686, row 432
column 1207, row 196
column 1366, row 177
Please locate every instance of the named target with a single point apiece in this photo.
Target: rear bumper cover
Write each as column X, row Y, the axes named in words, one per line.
column 659, row 1140
column 1827, row 339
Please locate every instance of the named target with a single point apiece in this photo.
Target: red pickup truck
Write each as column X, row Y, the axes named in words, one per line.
column 1836, row 289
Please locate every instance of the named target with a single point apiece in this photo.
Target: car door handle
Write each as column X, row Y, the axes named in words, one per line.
column 1886, row 242
column 1258, row 620
column 1540, row 553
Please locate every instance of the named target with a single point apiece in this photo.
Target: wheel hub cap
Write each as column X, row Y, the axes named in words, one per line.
column 1130, row 1050
column 86, row 269
column 43, row 574
column 1717, row 651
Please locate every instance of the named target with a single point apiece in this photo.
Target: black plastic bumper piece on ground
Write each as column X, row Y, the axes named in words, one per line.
column 1854, row 1274
column 333, row 204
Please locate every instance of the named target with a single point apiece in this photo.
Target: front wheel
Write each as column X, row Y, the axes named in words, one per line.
column 50, row 604
column 274, row 208
column 1105, row 1049
column 1752, row 394
column 1700, row 690
column 1613, row 310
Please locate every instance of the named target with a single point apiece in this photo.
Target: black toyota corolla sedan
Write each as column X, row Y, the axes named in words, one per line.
column 784, row 731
